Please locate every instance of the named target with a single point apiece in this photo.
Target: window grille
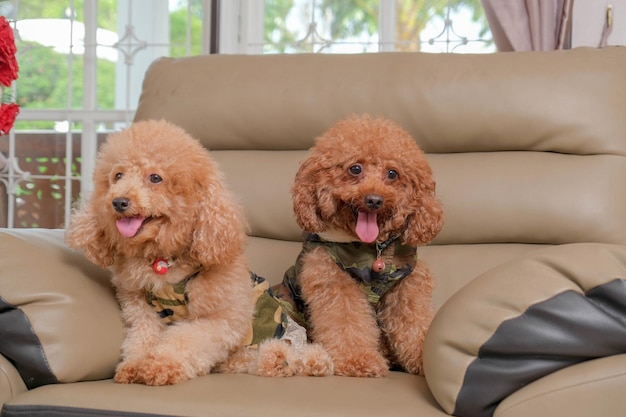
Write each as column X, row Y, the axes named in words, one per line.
column 82, row 63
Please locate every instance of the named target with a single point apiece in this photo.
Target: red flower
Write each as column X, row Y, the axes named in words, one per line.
column 8, row 73
column 8, row 112
column 8, row 62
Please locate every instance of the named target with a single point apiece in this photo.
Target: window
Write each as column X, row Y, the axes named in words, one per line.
column 353, row 26
column 82, row 63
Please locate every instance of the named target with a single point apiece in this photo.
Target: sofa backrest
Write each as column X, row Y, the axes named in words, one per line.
column 527, row 148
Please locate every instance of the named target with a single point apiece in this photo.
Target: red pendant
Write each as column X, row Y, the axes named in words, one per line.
column 160, row 266
column 378, row 265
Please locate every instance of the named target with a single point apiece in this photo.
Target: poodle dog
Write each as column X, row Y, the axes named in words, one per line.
column 366, row 197
column 162, row 220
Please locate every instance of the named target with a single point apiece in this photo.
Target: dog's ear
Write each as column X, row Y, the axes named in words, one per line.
column 426, row 219
column 219, row 236
column 86, row 234
column 304, row 194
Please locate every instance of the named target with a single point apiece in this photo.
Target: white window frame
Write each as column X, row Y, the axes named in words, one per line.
column 241, row 30
column 140, row 22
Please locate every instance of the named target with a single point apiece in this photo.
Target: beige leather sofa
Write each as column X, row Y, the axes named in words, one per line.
column 529, row 155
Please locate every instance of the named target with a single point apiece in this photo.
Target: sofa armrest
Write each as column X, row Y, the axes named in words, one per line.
column 59, row 319
column 523, row 320
column 11, row 383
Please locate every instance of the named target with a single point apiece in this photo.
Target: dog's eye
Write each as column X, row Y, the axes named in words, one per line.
column 355, row 169
column 392, row 174
column 155, row 178
column 118, row 176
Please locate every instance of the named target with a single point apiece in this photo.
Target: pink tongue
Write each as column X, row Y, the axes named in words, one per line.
column 366, row 226
column 128, row 226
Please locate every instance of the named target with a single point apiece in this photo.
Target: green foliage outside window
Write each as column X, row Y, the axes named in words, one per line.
column 356, row 18
column 47, row 70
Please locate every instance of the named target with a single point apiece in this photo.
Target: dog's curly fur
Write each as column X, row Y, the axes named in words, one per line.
column 328, row 193
column 156, row 175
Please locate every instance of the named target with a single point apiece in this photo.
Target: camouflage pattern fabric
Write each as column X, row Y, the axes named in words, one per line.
column 171, row 303
column 356, row 258
column 278, row 307
column 270, row 318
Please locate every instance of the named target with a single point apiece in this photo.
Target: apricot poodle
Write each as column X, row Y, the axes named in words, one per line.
column 366, row 197
column 162, row 220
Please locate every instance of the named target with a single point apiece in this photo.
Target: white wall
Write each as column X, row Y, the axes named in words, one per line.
column 588, row 20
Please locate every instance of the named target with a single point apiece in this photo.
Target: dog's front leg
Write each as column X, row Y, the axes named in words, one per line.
column 220, row 310
column 340, row 317
column 405, row 315
column 142, row 333
column 189, row 349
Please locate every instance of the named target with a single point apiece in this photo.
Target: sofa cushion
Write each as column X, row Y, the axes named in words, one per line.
column 526, row 319
column 218, row 395
column 449, row 102
column 59, row 320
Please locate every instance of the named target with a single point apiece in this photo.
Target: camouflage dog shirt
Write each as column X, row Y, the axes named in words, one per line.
column 270, row 318
column 355, row 258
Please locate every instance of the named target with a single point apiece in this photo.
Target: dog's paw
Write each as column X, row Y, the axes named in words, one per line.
column 126, row 372
column 158, row 371
column 274, row 359
column 414, row 365
column 364, row 365
column 314, row 361
column 274, row 363
column 410, row 356
column 417, row 369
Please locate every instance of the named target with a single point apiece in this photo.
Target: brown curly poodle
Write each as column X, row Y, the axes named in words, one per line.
column 366, row 196
column 161, row 219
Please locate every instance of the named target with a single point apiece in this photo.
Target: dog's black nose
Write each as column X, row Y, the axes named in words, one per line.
column 373, row 201
column 121, row 204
